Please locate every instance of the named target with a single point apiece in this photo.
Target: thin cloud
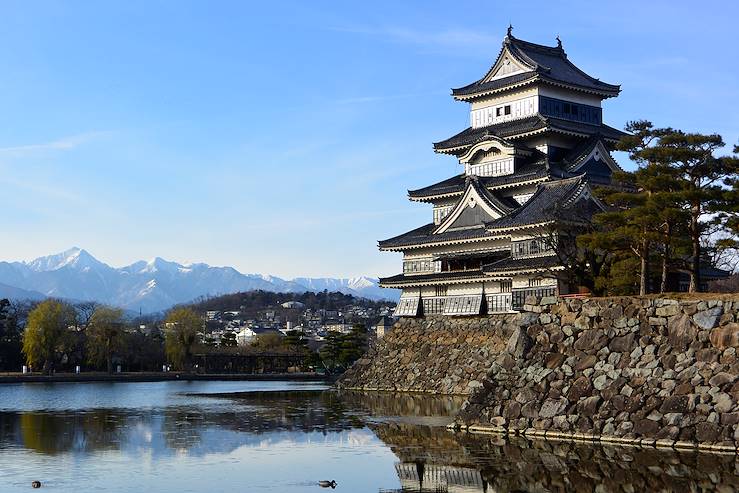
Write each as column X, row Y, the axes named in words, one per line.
column 446, row 38
column 63, row 144
column 36, row 189
column 391, row 97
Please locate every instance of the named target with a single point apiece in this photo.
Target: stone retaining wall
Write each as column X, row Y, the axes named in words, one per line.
column 440, row 355
column 625, row 368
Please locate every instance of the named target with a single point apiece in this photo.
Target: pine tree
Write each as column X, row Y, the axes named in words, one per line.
column 701, row 175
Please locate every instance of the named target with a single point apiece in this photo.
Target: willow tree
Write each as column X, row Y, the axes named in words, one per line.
column 46, row 333
column 105, row 336
column 182, row 331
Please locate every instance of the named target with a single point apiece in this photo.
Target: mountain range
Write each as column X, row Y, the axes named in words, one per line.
column 155, row 285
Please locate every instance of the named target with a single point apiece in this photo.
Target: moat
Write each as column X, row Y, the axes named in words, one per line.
column 277, row 436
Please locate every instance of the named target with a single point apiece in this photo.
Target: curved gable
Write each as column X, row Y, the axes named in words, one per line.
column 476, row 207
column 597, row 160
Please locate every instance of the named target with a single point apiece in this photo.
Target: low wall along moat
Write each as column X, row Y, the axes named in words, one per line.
column 655, row 370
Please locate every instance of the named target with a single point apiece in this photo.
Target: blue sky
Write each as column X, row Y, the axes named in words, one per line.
column 281, row 137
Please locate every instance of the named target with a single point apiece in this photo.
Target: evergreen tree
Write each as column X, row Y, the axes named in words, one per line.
column 729, row 217
column 295, row 340
column 353, row 345
column 10, row 338
column 228, row 339
column 331, row 349
column 701, row 176
column 666, row 207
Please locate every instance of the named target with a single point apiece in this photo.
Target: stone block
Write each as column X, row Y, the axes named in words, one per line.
column 708, row 319
column 722, row 378
column 675, row 404
column 667, row 311
column 590, row 340
column 580, row 388
column 622, row 344
column 519, row 343
column 725, row 337
column 552, row 407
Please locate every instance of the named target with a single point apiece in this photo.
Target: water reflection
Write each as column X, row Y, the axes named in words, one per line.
column 432, row 460
column 208, row 428
column 182, row 428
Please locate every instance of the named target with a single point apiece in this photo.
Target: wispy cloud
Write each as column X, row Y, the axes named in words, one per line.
column 63, row 144
column 35, row 190
column 389, row 97
column 430, row 38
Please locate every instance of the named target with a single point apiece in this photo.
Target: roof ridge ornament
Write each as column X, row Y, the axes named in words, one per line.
column 559, row 46
column 509, row 34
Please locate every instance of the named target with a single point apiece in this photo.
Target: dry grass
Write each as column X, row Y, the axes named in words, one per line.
column 674, row 296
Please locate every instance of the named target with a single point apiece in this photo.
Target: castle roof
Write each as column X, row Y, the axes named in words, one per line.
column 548, row 64
column 436, row 277
column 455, row 185
column 545, row 206
column 521, row 265
column 425, row 235
column 522, row 127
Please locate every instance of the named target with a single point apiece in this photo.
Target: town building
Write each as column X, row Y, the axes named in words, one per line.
column 535, row 149
column 383, row 326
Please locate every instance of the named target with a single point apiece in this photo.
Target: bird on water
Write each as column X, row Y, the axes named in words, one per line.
column 327, row 484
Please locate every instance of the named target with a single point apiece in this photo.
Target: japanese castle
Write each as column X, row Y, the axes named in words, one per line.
column 535, row 149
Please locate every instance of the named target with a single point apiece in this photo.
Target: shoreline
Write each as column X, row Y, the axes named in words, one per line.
column 162, row 377
column 572, row 437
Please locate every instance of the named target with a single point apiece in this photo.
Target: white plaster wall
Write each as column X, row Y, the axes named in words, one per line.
column 520, row 108
column 498, row 99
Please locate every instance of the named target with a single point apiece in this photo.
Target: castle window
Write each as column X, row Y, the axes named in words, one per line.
column 507, row 109
column 506, row 286
column 534, row 247
column 440, row 290
column 498, row 111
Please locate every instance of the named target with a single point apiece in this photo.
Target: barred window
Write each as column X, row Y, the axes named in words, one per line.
column 407, row 307
column 498, row 303
column 463, row 305
column 421, row 266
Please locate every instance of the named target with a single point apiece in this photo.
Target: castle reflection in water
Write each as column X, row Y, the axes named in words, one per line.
column 430, row 459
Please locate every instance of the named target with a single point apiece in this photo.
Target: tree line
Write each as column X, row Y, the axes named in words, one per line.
column 677, row 212
column 54, row 335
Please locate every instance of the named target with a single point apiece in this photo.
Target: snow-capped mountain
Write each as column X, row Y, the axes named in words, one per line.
column 154, row 285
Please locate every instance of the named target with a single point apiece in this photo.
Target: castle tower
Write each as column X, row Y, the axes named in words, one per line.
column 535, row 148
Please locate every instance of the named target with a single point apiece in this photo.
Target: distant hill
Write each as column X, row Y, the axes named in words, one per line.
column 155, row 285
column 253, row 301
column 13, row 293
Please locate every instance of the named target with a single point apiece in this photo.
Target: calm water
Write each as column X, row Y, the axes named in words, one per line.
column 284, row 437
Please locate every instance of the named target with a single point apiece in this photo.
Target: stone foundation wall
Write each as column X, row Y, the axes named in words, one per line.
column 627, row 368
column 440, row 355
column 654, row 368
